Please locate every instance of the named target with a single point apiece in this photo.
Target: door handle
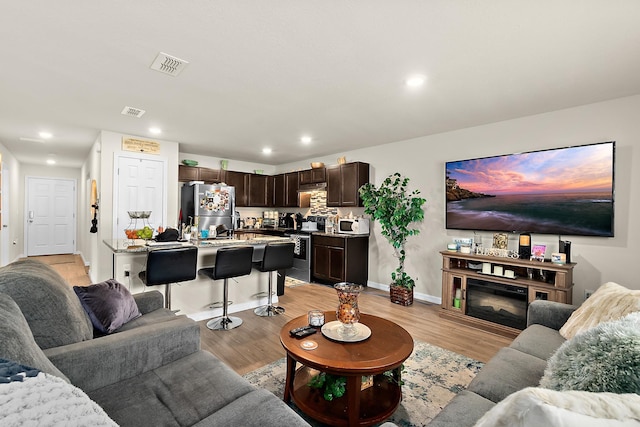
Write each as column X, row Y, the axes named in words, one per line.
column 31, row 215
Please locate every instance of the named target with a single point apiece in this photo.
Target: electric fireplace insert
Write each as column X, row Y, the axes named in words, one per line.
column 497, row 302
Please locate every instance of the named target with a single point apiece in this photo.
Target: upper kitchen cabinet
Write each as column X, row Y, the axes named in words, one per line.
column 313, row 176
column 343, row 183
column 194, row 173
column 260, row 190
column 240, row 180
column 285, row 189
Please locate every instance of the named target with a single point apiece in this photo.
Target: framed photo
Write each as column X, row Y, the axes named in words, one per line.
column 537, row 252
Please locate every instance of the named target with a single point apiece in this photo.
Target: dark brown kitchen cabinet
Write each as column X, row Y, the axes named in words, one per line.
column 285, row 190
column 194, row 173
column 188, row 173
column 343, row 183
column 260, row 190
column 210, row 176
column 313, row 176
column 240, row 180
column 340, row 259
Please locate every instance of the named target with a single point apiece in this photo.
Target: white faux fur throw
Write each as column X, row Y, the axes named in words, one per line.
column 534, row 407
column 609, row 302
column 46, row 400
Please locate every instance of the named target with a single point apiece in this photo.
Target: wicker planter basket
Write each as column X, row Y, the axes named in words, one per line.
column 401, row 295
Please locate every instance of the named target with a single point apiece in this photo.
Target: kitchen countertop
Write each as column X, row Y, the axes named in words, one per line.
column 341, row 235
column 138, row 245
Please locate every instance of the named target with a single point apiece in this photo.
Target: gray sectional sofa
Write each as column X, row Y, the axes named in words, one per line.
column 150, row 372
column 513, row 368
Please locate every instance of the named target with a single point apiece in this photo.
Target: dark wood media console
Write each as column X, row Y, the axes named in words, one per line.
column 509, row 296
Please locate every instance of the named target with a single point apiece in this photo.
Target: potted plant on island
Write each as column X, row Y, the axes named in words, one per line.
column 395, row 209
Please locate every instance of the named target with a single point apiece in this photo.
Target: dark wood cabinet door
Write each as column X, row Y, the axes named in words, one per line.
column 318, row 175
column 188, row 173
column 336, row 264
column 305, row 177
column 320, row 261
column 343, row 183
column 210, row 176
column 334, row 186
column 258, row 185
column 239, row 180
column 279, row 190
column 291, row 189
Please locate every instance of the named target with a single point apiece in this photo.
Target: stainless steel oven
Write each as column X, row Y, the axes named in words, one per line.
column 301, row 269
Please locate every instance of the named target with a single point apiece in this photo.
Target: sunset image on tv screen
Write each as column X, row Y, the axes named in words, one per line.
column 560, row 191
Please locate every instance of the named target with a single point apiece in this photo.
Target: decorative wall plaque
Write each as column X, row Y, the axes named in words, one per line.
column 140, row 145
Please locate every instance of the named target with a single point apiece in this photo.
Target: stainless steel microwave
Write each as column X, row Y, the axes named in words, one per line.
column 353, row 226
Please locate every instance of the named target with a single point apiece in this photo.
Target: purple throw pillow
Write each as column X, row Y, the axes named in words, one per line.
column 109, row 305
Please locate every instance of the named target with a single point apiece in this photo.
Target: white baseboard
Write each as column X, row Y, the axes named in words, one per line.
column 416, row 295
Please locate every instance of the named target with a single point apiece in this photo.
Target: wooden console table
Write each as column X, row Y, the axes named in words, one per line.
column 538, row 280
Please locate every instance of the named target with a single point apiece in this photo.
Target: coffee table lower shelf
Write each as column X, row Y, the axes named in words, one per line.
column 376, row 402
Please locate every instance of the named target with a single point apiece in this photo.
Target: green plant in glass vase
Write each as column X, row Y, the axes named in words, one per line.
column 396, row 209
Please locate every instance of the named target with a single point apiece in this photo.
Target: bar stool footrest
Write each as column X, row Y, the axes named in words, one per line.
column 269, row 310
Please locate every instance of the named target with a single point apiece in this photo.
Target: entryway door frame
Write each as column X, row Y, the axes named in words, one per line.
column 55, row 216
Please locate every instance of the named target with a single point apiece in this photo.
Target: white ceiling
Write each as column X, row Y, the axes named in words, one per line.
column 263, row 73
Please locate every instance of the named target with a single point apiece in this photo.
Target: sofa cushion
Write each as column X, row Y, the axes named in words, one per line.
column 16, row 340
column 609, row 302
column 109, row 305
column 160, row 315
column 541, row 407
column 603, row 359
column 462, row 411
column 538, row 341
column 186, row 391
column 50, row 306
column 508, row 371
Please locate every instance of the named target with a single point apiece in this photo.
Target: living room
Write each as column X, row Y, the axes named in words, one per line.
column 563, row 115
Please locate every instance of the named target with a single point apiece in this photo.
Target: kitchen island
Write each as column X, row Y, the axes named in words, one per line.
column 200, row 298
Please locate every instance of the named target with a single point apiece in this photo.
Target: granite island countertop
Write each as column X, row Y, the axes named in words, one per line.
column 139, row 245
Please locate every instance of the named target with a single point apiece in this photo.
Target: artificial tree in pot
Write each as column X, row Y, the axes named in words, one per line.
column 396, row 209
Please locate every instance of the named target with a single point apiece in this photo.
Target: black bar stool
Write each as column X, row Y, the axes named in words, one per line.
column 230, row 262
column 277, row 256
column 167, row 266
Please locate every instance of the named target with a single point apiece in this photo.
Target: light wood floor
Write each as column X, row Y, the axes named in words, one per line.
column 256, row 342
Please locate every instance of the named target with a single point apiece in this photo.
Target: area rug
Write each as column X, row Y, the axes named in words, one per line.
column 432, row 377
column 290, row 282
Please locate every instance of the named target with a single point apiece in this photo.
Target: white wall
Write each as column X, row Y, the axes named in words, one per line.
column 422, row 159
column 110, row 144
column 11, row 213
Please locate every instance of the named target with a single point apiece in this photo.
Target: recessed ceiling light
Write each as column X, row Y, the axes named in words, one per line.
column 266, row 150
column 45, row 135
column 416, row 80
column 305, row 139
column 51, row 162
column 155, row 131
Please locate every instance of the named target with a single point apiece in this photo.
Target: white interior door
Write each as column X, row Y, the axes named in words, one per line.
column 140, row 186
column 50, row 216
column 4, row 210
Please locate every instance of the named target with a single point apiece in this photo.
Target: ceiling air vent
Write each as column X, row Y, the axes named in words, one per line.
column 133, row 112
column 168, row 64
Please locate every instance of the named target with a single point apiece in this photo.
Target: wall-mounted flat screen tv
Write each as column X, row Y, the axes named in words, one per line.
column 564, row 191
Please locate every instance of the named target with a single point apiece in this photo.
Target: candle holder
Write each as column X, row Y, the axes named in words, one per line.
column 348, row 312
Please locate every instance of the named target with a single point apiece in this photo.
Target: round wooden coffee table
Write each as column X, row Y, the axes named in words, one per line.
column 388, row 346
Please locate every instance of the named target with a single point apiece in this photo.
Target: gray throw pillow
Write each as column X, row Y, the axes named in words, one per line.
column 605, row 358
column 16, row 340
column 109, row 305
column 46, row 300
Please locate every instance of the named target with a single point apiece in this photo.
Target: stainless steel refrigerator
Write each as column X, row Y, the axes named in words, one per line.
column 209, row 205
